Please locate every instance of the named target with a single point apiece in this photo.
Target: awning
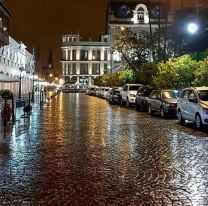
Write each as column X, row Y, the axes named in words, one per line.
column 7, row 79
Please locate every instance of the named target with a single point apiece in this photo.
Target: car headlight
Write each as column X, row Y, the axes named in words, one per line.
column 205, row 111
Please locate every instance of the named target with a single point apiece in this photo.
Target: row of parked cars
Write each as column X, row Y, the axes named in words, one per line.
column 189, row 104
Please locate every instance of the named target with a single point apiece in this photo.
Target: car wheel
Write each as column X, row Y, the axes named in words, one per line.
column 162, row 113
column 198, row 122
column 181, row 120
column 149, row 109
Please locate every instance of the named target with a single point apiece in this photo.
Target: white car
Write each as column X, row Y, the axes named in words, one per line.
column 128, row 94
column 192, row 105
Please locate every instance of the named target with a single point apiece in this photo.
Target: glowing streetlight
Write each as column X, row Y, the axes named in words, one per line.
column 193, row 28
column 122, row 28
column 50, row 75
column 61, row 81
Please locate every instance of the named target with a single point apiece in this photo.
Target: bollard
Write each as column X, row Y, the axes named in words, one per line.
column 4, row 114
column 29, row 98
column 13, row 115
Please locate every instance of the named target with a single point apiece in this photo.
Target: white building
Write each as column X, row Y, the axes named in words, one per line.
column 83, row 61
column 137, row 16
column 16, row 62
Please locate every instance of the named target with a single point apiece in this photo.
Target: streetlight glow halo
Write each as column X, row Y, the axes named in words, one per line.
column 193, row 28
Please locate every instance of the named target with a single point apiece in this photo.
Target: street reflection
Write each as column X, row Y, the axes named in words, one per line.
column 79, row 150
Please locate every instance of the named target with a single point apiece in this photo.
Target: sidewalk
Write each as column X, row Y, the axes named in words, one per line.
column 20, row 119
column 21, row 122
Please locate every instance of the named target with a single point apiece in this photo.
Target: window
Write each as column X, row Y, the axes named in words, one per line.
column 73, row 54
column 170, row 94
column 185, row 94
column 83, row 55
column 105, row 68
column 69, row 69
column 95, row 54
column 203, row 95
column 83, row 68
column 64, row 54
column 74, row 68
column 69, row 53
column 105, row 55
column 96, row 69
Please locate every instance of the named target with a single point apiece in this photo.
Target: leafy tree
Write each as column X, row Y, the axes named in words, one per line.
column 202, row 73
column 176, row 73
column 135, row 49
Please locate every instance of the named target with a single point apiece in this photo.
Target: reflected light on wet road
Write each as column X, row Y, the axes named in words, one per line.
column 79, row 150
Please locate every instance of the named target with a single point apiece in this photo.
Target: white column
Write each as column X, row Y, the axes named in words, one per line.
column 78, row 68
column 90, row 54
column 90, row 68
column 66, row 51
column 71, row 54
column 101, row 68
column 102, row 54
column 78, row 54
column 89, row 81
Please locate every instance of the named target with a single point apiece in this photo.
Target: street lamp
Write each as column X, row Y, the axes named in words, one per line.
column 20, row 82
column 193, row 28
column 33, row 89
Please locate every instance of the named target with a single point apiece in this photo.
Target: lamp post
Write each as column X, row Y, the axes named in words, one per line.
column 20, row 82
column 33, row 89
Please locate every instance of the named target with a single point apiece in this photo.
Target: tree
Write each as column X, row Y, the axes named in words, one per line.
column 202, row 73
column 135, row 49
column 176, row 72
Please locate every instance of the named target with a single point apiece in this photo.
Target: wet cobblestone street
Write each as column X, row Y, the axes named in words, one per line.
column 79, row 150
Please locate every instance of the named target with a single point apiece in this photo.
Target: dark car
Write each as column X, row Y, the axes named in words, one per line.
column 164, row 102
column 115, row 96
column 142, row 98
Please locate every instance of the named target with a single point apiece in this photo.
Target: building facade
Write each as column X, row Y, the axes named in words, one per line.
column 83, row 61
column 4, row 24
column 136, row 16
column 16, row 64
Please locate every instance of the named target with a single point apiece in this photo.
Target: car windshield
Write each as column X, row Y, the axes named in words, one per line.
column 134, row 88
column 203, row 95
column 116, row 92
column 170, row 94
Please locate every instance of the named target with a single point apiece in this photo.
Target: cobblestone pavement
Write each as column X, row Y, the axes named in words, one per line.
column 81, row 151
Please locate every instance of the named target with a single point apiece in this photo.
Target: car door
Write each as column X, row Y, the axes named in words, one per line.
column 157, row 101
column 152, row 99
column 192, row 106
column 184, row 102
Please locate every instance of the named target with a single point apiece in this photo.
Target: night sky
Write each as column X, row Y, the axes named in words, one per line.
column 41, row 23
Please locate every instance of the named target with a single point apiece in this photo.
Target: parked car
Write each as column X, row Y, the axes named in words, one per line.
column 98, row 91
column 115, row 96
column 142, row 98
column 128, row 94
column 92, row 90
column 108, row 94
column 164, row 102
column 193, row 106
column 105, row 91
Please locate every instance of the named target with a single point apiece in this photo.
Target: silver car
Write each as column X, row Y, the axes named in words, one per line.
column 193, row 106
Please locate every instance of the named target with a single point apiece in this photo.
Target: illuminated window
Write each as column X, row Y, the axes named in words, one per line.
column 96, row 68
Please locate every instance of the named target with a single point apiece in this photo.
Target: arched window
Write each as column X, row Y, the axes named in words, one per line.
column 141, row 14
